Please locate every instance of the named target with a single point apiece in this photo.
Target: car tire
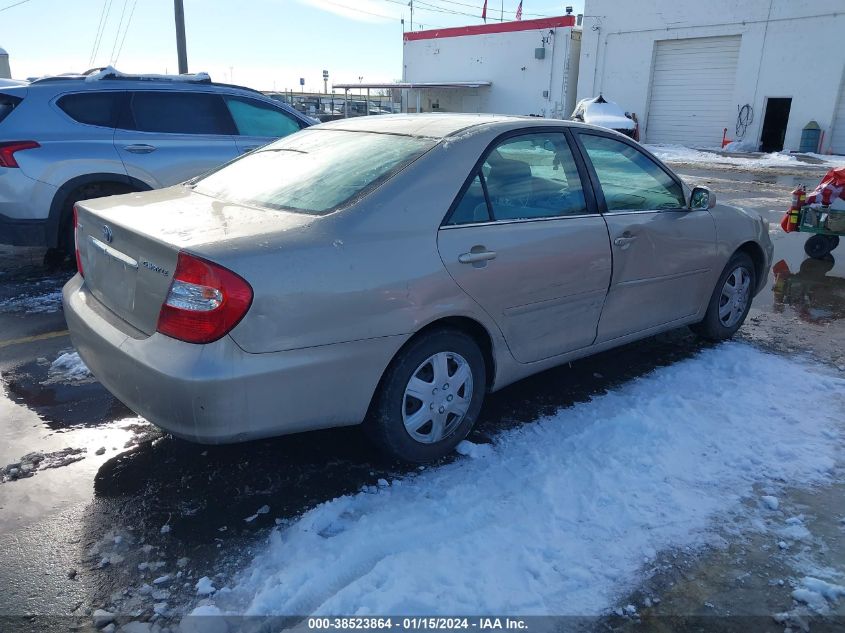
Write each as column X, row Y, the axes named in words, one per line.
column 726, row 311
column 820, row 246
column 426, row 428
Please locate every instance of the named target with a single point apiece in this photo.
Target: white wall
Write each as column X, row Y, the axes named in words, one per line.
column 505, row 59
column 789, row 48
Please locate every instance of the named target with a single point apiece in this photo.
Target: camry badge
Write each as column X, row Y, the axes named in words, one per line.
column 155, row 268
column 107, row 234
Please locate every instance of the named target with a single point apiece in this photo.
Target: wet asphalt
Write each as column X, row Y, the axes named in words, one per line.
column 89, row 532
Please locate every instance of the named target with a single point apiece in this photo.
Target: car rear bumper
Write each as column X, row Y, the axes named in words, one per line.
column 25, row 209
column 217, row 393
column 22, row 232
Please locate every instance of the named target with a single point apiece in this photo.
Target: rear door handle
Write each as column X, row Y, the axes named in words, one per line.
column 246, row 150
column 472, row 258
column 140, row 148
column 624, row 241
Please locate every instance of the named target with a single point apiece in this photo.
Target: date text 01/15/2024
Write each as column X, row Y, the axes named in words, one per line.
column 417, row 623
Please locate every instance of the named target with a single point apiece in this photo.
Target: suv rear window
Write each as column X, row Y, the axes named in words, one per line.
column 93, row 108
column 180, row 113
column 314, row 171
column 7, row 104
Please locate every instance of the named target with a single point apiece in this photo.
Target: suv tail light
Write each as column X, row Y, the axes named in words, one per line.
column 76, row 240
column 8, row 149
column 205, row 301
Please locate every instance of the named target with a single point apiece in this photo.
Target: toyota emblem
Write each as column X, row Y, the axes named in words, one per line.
column 107, row 234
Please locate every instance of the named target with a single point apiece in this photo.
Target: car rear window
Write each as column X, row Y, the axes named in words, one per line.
column 7, row 104
column 314, row 171
column 180, row 113
column 93, row 108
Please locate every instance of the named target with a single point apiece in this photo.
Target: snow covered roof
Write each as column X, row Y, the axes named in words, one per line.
column 604, row 113
column 110, row 72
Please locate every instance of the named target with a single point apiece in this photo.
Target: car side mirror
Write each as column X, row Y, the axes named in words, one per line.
column 702, row 198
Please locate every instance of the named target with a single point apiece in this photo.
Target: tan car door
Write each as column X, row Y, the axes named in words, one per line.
column 522, row 242
column 662, row 251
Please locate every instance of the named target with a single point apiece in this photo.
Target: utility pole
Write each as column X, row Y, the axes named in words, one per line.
column 411, row 4
column 502, row 14
column 181, row 49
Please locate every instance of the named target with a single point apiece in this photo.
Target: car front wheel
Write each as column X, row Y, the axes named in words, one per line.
column 430, row 397
column 730, row 301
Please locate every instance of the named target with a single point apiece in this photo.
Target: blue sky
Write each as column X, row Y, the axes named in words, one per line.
column 264, row 44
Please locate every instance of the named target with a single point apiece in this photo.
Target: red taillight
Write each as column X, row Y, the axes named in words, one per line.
column 205, row 301
column 76, row 240
column 7, row 151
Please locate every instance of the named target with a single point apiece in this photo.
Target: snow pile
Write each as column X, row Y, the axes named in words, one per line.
column 817, row 593
column 690, row 156
column 563, row 514
column 68, row 368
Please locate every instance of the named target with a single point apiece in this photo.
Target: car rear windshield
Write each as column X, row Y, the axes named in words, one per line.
column 7, row 104
column 314, row 171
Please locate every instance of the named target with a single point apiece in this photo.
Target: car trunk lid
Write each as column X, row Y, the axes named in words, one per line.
column 129, row 245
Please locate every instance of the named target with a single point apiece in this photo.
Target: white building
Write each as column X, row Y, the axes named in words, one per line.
column 687, row 68
column 526, row 67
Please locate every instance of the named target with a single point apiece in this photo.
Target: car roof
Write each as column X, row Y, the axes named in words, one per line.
column 111, row 79
column 431, row 125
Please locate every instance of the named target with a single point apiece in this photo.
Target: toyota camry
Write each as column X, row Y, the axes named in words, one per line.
column 390, row 271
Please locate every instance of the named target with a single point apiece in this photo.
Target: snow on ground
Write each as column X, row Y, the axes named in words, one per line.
column 561, row 516
column 49, row 302
column 687, row 155
column 68, row 368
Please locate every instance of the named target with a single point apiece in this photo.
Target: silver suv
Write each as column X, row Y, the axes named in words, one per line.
column 70, row 138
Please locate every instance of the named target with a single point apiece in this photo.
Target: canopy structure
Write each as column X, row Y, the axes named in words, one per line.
column 418, row 86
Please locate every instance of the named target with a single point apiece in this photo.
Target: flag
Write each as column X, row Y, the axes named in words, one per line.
column 518, row 10
column 484, row 11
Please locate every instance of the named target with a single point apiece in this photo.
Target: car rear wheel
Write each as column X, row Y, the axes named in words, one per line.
column 429, row 397
column 730, row 301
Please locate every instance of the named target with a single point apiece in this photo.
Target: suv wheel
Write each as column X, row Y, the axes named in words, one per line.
column 64, row 251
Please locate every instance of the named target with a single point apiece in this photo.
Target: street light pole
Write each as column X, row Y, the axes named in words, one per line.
column 181, row 48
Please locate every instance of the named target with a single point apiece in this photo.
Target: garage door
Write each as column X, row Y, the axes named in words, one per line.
column 692, row 91
column 837, row 139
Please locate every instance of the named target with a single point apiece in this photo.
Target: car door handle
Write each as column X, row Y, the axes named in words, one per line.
column 624, row 241
column 246, row 150
column 140, row 148
column 471, row 258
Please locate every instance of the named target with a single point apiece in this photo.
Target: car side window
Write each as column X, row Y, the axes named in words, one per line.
column 524, row 177
column 630, row 180
column 473, row 205
column 93, row 108
column 253, row 118
column 533, row 176
column 180, row 113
